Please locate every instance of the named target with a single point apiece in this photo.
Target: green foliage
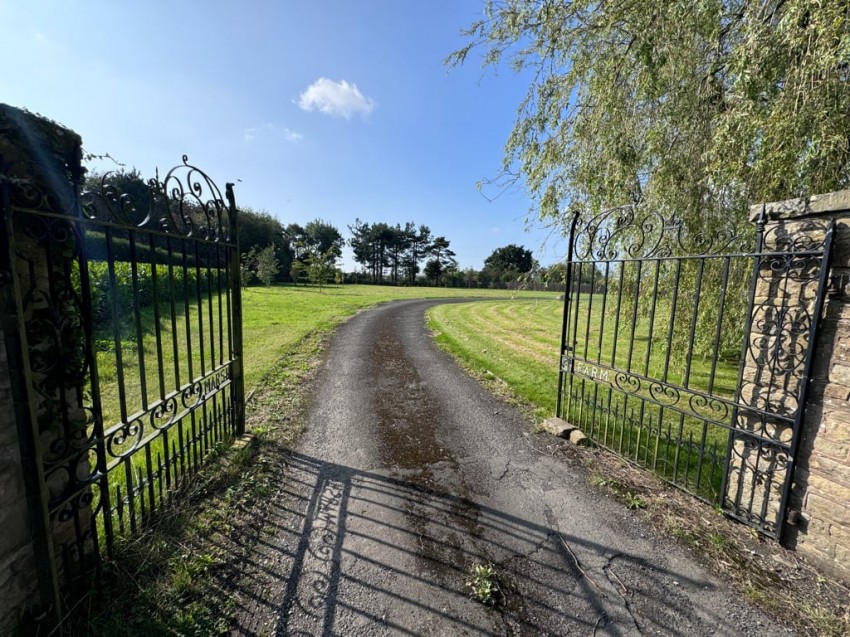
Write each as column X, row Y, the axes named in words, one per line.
column 120, row 298
column 261, row 229
column 378, row 247
column 320, row 265
column 267, row 265
column 246, row 271
column 483, row 584
column 698, row 107
column 509, row 261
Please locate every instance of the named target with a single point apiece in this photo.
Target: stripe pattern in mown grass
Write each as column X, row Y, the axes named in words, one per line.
column 518, row 341
column 515, row 340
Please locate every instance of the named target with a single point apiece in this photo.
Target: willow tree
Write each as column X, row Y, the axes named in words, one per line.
column 697, row 106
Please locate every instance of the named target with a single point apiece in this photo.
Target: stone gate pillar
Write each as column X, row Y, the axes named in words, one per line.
column 43, row 366
column 818, row 517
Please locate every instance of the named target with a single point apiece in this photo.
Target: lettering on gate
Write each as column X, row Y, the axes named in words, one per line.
column 591, row 371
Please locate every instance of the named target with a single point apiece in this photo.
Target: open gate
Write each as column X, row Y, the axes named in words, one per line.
column 122, row 326
column 688, row 352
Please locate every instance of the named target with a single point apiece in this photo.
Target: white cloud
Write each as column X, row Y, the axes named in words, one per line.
column 269, row 129
column 339, row 99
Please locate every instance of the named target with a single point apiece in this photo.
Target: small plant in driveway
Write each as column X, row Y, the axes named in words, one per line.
column 483, row 584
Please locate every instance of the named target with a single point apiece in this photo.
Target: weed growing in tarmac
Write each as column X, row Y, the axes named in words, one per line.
column 484, row 584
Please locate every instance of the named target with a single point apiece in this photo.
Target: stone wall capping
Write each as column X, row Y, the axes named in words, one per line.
column 800, row 207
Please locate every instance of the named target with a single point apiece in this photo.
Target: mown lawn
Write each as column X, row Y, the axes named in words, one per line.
column 519, row 342
column 175, row 348
column 516, row 341
column 278, row 317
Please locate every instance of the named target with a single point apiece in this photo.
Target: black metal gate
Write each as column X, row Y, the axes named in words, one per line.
column 125, row 343
column 688, row 352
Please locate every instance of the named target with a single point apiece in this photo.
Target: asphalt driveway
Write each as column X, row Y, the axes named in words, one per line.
column 411, row 473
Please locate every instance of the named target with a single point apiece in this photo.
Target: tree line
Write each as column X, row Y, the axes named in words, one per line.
column 399, row 254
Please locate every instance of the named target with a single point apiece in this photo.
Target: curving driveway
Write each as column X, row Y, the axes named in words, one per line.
column 411, row 473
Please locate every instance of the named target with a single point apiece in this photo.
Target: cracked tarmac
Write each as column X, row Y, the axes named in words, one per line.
column 411, row 473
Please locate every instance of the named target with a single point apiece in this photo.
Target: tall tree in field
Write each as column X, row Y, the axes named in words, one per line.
column 267, row 265
column 509, row 261
column 443, row 256
column 697, row 106
column 325, row 238
column 420, row 245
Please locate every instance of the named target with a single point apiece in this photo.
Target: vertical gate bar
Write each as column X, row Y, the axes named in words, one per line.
column 199, row 297
column 617, row 314
column 566, row 316
column 575, row 309
column 805, row 379
column 131, row 492
column 760, row 223
column 602, row 315
column 94, row 381
column 652, row 317
column 218, row 264
column 686, row 381
column 188, row 317
column 14, row 331
column 228, row 284
column 634, row 314
column 718, row 331
column 151, row 475
column 592, row 267
column 172, row 300
column 701, row 453
column 210, row 306
column 116, row 324
column 671, row 332
column 137, row 315
column 237, row 380
column 156, row 316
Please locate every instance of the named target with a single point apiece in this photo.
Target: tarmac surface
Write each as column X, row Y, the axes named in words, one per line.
column 411, row 473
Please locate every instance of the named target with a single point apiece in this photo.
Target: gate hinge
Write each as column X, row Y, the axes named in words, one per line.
column 837, row 283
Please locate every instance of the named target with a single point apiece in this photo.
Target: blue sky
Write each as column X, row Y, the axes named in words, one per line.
column 322, row 108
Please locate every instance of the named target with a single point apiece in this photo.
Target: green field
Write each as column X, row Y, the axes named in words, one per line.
column 274, row 320
column 519, row 342
column 278, row 317
column 514, row 336
column 176, row 346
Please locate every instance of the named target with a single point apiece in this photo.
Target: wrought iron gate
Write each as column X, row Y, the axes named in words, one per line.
column 688, row 352
column 127, row 347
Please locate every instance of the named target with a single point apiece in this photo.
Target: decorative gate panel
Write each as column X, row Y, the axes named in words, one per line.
column 688, row 352
column 129, row 332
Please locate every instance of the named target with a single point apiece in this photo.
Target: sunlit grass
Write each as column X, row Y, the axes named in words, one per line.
column 519, row 342
column 144, row 357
